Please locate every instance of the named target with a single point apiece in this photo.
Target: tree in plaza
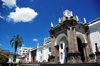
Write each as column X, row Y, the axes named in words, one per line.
column 17, row 41
column 3, row 58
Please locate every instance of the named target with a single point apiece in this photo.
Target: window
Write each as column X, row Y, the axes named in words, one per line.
column 41, row 51
column 27, row 58
column 28, row 49
column 14, row 58
column 61, row 46
column 49, row 49
column 41, row 58
column 99, row 29
column 61, row 55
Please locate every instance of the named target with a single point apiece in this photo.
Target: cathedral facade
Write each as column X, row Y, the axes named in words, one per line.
column 70, row 42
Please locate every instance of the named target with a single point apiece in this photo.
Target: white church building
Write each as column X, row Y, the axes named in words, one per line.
column 43, row 52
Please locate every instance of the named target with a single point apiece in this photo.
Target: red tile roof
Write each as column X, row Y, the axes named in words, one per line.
column 6, row 52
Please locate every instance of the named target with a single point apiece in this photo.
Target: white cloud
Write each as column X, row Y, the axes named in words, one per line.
column 35, row 40
column 2, row 17
column 9, row 3
column 1, row 45
column 22, row 14
column 23, row 45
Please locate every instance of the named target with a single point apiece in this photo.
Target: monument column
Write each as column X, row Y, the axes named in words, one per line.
column 52, row 46
column 70, row 55
column 91, row 54
column 75, row 44
column 57, row 54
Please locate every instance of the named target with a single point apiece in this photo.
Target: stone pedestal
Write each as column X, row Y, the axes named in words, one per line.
column 52, row 59
column 74, row 57
column 92, row 58
column 77, row 57
column 97, row 57
column 70, row 58
column 97, row 54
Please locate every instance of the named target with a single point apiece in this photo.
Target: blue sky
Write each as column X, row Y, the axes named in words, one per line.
column 32, row 19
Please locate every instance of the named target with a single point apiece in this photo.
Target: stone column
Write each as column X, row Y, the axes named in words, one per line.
column 97, row 54
column 52, row 46
column 52, row 57
column 70, row 40
column 57, row 54
column 70, row 55
column 75, row 40
column 91, row 54
column 75, row 44
column 73, row 53
column 85, row 52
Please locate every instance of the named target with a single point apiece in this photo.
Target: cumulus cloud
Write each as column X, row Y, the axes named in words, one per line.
column 1, row 45
column 35, row 39
column 9, row 3
column 2, row 17
column 22, row 14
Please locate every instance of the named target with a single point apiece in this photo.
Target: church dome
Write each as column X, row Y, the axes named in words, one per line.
column 63, row 19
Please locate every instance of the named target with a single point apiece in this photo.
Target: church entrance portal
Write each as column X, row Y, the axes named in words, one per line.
column 80, row 48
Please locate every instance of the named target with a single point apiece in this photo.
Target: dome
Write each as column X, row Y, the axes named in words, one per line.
column 63, row 19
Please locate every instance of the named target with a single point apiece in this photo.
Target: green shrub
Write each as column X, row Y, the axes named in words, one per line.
column 3, row 58
column 20, row 61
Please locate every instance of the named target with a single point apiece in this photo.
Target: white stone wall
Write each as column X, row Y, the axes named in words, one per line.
column 43, row 52
column 95, row 34
column 17, row 59
column 10, row 58
column 30, row 56
column 23, row 50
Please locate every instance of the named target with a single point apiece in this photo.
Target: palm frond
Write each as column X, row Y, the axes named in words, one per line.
column 17, row 41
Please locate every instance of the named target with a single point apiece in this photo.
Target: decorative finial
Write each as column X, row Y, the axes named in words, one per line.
column 37, row 44
column 96, row 47
column 71, row 13
column 45, row 40
column 59, row 20
column 77, row 18
column 85, row 20
column 51, row 24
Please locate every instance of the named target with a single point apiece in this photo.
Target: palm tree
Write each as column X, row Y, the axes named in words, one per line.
column 17, row 41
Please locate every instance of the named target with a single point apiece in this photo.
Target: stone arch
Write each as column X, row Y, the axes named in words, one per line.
column 81, row 36
column 62, row 40
column 59, row 37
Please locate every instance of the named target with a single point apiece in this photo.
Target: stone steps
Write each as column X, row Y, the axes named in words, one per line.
column 75, row 64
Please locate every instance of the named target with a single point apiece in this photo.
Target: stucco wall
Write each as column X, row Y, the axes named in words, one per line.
column 10, row 58
column 95, row 34
column 43, row 52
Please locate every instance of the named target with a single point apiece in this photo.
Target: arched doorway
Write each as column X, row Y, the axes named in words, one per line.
column 61, row 41
column 80, row 48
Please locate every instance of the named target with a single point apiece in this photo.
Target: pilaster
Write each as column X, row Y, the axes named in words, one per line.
column 97, row 54
column 91, row 54
column 57, row 54
column 73, row 53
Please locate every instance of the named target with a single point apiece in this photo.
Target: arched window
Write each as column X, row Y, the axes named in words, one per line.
column 61, row 55
column 41, row 51
column 49, row 49
column 61, row 46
